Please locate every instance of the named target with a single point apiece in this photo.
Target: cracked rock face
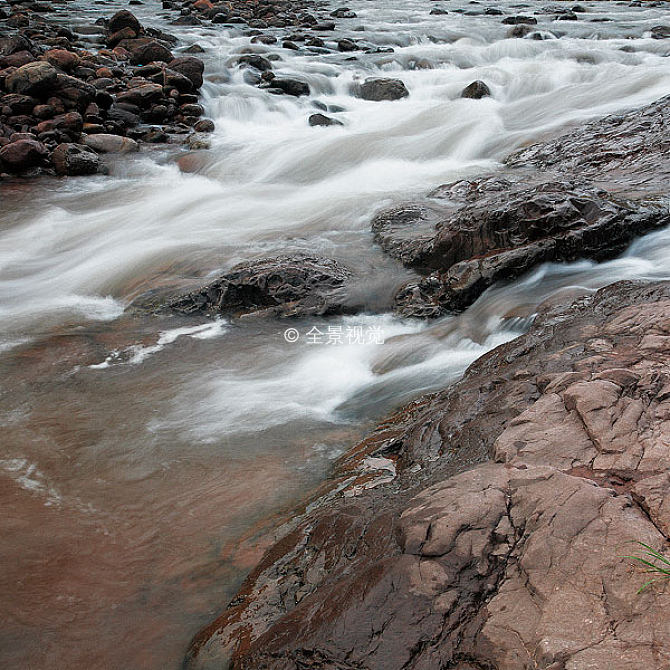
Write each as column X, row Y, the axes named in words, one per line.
column 470, row 234
column 499, row 542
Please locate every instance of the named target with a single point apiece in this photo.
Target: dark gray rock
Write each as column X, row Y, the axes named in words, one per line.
column 470, row 234
column 74, row 160
column 281, row 286
column 378, row 89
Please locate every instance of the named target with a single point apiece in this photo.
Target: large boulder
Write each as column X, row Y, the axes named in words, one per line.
column 33, row 79
column 74, row 160
column 504, row 229
column 484, row 526
column 284, row 286
column 379, row 89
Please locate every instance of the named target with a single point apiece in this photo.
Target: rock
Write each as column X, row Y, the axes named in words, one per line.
column 142, row 96
column 496, row 542
column 254, row 60
column 111, row 144
column 22, row 155
column 520, row 31
column 124, row 19
column 283, row 286
column 146, row 50
column 470, row 234
column 15, row 44
column 124, row 34
column 346, row 45
column 291, row 86
column 74, row 159
column 660, row 32
column 343, row 13
column 62, row 59
column 32, row 79
column 381, row 89
column 71, row 123
column 323, row 120
column 17, row 104
column 124, row 114
column 190, row 67
column 516, row 20
column 16, row 59
column 204, row 126
column 74, row 92
column 476, row 90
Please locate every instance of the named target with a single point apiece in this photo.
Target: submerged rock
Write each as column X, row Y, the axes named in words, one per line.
column 498, row 541
column 283, row 286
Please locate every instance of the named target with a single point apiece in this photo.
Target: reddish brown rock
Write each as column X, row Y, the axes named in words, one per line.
column 22, row 155
column 190, row 67
column 62, row 59
column 499, row 541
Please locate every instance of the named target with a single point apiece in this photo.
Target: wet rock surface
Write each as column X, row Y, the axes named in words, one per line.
column 280, row 286
column 57, row 89
column 587, row 194
column 483, row 527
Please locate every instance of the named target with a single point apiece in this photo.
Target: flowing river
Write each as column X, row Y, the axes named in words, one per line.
column 138, row 452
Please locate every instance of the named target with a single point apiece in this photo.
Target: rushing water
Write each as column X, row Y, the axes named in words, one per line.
column 136, row 452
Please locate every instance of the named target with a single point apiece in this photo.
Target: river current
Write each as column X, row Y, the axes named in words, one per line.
column 142, row 456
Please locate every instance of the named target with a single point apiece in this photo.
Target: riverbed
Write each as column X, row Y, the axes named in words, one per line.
column 144, row 457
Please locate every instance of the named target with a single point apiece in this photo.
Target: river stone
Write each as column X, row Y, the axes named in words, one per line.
column 75, row 159
column 124, row 19
column 476, row 90
column 145, row 50
column 379, row 89
column 323, row 120
column 111, row 144
column 291, row 86
column 283, row 286
column 32, row 79
column 256, row 61
column 22, row 155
